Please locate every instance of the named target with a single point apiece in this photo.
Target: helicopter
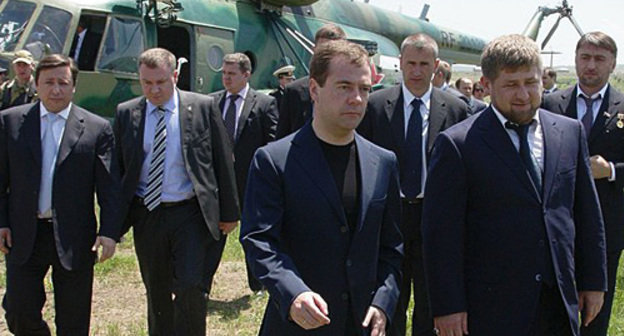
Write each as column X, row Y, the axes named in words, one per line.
column 201, row 32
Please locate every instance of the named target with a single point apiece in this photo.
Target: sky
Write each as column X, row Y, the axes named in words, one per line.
column 488, row 19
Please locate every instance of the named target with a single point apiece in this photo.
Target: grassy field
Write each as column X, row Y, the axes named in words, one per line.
column 119, row 295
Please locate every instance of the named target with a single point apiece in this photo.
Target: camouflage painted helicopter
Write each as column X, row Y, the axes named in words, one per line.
column 200, row 32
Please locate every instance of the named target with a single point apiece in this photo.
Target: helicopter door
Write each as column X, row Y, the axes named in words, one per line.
column 177, row 39
column 211, row 44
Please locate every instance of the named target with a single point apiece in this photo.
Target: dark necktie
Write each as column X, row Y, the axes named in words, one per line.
column 411, row 169
column 525, row 153
column 588, row 118
column 157, row 163
column 230, row 118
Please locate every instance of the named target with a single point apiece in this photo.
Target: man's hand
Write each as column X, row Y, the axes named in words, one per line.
column 309, row 311
column 5, row 240
column 108, row 247
column 376, row 318
column 452, row 325
column 227, row 227
column 600, row 167
column 590, row 303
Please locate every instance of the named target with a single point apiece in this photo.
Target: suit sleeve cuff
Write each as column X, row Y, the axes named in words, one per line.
column 612, row 176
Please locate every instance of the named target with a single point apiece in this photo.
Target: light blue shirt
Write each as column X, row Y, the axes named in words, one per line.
column 58, row 128
column 177, row 185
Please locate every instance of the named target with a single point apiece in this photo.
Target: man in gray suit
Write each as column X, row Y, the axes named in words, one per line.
column 54, row 156
column 179, row 191
column 251, row 120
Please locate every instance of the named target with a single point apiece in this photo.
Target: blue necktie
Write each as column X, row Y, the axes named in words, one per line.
column 525, row 153
column 411, row 169
column 230, row 118
column 588, row 118
column 49, row 148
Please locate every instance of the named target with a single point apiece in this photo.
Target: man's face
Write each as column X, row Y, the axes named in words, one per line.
column 593, row 66
column 417, row 66
column 547, row 81
column 23, row 71
column 516, row 93
column 285, row 80
column 479, row 93
column 158, row 84
column 339, row 105
column 233, row 78
column 465, row 87
column 55, row 88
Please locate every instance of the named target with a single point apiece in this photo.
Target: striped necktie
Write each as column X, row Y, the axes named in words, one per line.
column 157, row 163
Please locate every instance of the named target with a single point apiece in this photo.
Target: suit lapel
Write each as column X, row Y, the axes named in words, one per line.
column 437, row 115
column 185, row 113
column 552, row 150
column 74, row 126
column 498, row 140
column 608, row 112
column 138, row 115
column 396, row 116
column 568, row 103
column 308, row 153
column 31, row 121
column 368, row 169
column 250, row 102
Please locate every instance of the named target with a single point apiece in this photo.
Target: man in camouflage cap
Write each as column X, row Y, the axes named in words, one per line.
column 21, row 89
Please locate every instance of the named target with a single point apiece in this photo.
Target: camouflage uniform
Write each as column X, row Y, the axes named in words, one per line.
column 13, row 94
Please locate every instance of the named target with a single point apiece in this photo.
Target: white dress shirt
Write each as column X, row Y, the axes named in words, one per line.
column 240, row 101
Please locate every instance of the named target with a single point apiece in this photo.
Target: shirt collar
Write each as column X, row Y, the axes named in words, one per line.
column 241, row 94
column 602, row 92
column 504, row 120
column 63, row 114
column 82, row 33
column 408, row 96
column 171, row 105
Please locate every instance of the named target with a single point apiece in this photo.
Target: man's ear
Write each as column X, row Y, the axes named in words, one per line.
column 314, row 87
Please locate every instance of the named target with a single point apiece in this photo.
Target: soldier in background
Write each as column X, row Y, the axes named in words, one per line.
column 3, row 74
column 21, row 89
column 285, row 75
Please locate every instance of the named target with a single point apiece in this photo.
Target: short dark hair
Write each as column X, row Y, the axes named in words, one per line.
column 319, row 65
column 550, row 72
column 331, row 32
column 158, row 57
column 476, row 86
column 56, row 61
column 240, row 59
column 509, row 52
column 598, row 40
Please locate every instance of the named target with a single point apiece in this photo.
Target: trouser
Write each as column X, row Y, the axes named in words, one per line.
column 25, row 292
column 413, row 271
column 170, row 244
column 551, row 316
column 600, row 324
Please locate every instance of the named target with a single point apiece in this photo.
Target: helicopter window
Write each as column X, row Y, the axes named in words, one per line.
column 215, row 57
column 13, row 21
column 124, row 42
column 49, row 32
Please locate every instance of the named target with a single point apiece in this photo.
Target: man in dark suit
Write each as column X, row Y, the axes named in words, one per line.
column 251, row 119
column 179, row 191
column 464, row 85
column 390, row 122
column 285, row 75
column 549, row 80
column 54, row 156
column 512, row 232
column 595, row 60
column 320, row 223
column 85, row 45
column 442, row 80
column 296, row 106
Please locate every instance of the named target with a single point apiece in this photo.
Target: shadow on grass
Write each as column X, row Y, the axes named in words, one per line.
column 229, row 310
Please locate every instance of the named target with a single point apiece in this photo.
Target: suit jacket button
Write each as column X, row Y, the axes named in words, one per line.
column 343, row 229
column 349, row 263
column 345, row 296
column 538, row 277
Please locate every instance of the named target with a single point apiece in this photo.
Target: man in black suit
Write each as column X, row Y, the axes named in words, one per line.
column 285, row 75
column 513, row 237
column 296, row 106
column 464, row 86
column 250, row 118
column 391, row 123
column 442, row 80
column 179, row 191
column 549, row 80
column 595, row 60
column 321, row 221
column 85, row 45
column 54, row 156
